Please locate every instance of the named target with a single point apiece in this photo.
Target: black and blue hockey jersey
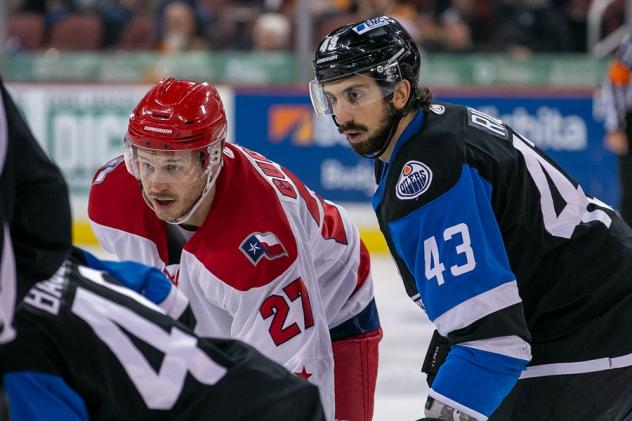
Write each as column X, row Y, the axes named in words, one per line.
column 88, row 348
column 522, row 271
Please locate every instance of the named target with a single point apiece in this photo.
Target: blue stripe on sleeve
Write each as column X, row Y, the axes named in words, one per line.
column 38, row 396
column 477, row 379
column 365, row 321
column 463, row 211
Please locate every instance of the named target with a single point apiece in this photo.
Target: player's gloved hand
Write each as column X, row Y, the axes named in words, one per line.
column 437, row 410
column 435, row 356
column 146, row 280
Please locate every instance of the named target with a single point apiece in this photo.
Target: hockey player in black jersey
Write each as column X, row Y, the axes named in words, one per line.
column 88, row 348
column 527, row 278
column 81, row 345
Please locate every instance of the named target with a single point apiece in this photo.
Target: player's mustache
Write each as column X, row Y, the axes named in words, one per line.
column 161, row 196
column 352, row 127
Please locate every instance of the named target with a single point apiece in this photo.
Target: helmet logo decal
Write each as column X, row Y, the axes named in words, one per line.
column 370, row 24
column 258, row 245
column 326, row 59
column 158, row 130
column 414, row 180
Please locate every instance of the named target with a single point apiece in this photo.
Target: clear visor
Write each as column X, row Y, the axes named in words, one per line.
column 171, row 167
column 356, row 90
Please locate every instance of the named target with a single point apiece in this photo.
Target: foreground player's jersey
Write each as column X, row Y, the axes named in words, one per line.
column 88, row 348
column 35, row 242
column 510, row 258
column 273, row 264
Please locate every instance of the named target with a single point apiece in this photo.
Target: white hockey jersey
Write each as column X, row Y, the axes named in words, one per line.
column 273, row 265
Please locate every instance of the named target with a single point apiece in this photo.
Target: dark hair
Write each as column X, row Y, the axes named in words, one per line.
column 421, row 96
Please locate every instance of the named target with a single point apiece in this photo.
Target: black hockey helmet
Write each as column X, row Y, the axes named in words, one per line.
column 380, row 47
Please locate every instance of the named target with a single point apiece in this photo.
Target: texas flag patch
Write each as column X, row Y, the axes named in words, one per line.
column 258, row 245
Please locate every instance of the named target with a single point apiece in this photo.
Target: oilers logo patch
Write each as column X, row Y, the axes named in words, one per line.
column 437, row 109
column 414, row 180
column 258, row 245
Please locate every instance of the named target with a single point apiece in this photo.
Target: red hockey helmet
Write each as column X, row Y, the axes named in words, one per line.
column 177, row 115
column 175, row 137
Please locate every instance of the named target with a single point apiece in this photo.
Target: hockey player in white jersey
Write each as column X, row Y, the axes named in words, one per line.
column 259, row 255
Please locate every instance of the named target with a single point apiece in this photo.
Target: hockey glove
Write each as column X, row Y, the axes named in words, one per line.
column 435, row 356
column 145, row 280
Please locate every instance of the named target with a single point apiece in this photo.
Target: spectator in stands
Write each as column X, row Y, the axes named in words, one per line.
column 617, row 95
column 180, row 29
column 51, row 10
column 271, row 32
column 116, row 15
column 457, row 34
column 527, row 26
column 467, row 25
column 576, row 13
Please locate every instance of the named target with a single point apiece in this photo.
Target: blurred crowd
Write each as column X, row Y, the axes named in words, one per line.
column 514, row 26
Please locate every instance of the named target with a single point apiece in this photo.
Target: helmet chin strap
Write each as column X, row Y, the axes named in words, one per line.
column 207, row 188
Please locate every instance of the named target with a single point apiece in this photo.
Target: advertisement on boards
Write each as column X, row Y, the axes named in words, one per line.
column 282, row 126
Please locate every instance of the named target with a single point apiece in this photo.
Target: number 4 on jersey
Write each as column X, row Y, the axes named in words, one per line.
column 160, row 388
column 575, row 210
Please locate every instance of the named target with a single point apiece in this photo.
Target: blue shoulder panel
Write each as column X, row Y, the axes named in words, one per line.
column 38, row 396
column 365, row 321
column 453, row 245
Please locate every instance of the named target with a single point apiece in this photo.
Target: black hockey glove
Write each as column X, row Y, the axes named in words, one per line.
column 435, row 356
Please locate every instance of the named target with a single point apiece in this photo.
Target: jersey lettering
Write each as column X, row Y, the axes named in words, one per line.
column 46, row 295
column 43, row 300
column 273, row 173
column 333, row 227
column 269, row 169
column 284, row 187
column 486, row 122
column 256, row 155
